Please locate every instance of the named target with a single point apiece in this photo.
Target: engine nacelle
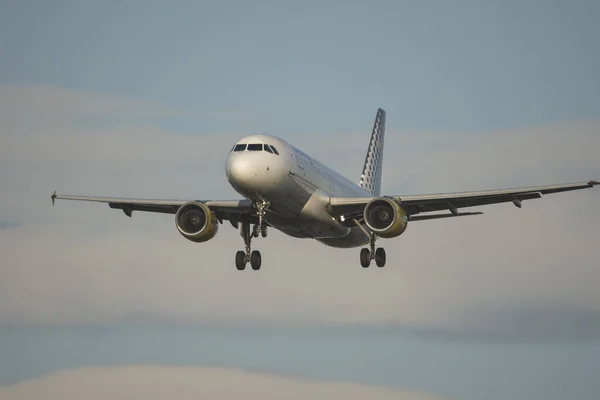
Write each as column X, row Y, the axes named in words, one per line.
column 196, row 222
column 385, row 217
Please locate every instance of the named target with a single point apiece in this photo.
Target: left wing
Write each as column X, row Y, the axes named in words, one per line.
column 224, row 209
column 416, row 204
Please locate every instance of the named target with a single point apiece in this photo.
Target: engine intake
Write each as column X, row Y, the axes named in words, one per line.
column 196, row 222
column 385, row 217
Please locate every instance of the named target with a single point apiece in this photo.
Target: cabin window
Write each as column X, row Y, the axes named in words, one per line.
column 274, row 150
column 268, row 148
column 239, row 147
column 255, row 147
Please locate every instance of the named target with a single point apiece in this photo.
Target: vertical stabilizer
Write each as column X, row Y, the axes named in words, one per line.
column 370, row 179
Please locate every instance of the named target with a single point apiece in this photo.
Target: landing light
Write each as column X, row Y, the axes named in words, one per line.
column 342, row 218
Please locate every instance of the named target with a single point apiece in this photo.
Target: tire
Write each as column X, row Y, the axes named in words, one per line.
column 240, row 260
column 365, row 258
column 263, row 231
column 380, row 257
column 255, row 260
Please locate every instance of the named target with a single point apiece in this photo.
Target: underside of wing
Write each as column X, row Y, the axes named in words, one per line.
column 353, row 208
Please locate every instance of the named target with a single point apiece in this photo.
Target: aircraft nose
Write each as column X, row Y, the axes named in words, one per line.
column 239, row 170
column 254, row 171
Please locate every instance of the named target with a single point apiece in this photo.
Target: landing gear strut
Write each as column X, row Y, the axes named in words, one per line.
column 253, row 257
column 261, row 210
column 366, row 255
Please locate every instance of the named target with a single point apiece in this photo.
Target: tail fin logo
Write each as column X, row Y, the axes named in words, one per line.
column 370, row 178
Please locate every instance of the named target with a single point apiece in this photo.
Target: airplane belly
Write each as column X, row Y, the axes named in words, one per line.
column 286, row 204
column 356, row 237
column 299, row 209
column 289, row 199
column 315, row 221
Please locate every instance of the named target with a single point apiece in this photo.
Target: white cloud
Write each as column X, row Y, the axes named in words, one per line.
column 156, row 382
column 87, row 263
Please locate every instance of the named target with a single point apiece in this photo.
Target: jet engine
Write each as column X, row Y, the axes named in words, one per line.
column 385, row 217
column 196, row 222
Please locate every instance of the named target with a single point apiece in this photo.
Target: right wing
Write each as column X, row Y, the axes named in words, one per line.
column 224, row 209
column 416, row 204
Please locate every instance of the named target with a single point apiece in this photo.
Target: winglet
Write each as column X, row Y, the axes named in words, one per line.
column 593, row 183
column 53, row 197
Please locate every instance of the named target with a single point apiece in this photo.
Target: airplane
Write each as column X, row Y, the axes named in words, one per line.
column 286, row 189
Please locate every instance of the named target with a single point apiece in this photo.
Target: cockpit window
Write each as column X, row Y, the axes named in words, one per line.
column 255, row 147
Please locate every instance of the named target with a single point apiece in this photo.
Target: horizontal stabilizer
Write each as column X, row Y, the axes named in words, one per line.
column 437, row 216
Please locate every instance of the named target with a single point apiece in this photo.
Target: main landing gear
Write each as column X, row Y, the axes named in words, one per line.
column 366, row 255
column 243, row 257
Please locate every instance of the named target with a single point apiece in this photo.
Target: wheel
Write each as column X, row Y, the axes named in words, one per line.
column 240, row 260
column 380, row 257
column 255, row 260
column 263, row 232
column 365, row 258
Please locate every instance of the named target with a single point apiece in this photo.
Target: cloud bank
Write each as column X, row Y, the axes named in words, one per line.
column 156, row 382
column 529, row 272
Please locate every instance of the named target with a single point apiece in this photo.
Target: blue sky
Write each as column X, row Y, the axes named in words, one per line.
column 305, row 66
column 144, row 98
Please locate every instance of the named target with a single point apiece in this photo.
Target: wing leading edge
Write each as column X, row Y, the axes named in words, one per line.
column 416, row 204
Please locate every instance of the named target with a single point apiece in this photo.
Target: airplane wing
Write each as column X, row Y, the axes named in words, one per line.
column 416, row 204
column 224, row 209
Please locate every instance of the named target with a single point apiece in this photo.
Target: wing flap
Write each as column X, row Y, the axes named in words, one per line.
column 439, row 216
column 128, row 208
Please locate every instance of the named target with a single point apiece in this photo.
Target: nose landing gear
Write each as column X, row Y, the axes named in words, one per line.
column 253, row 257
column 261, row 209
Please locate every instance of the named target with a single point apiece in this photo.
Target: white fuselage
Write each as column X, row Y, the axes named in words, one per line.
column 298, row 188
